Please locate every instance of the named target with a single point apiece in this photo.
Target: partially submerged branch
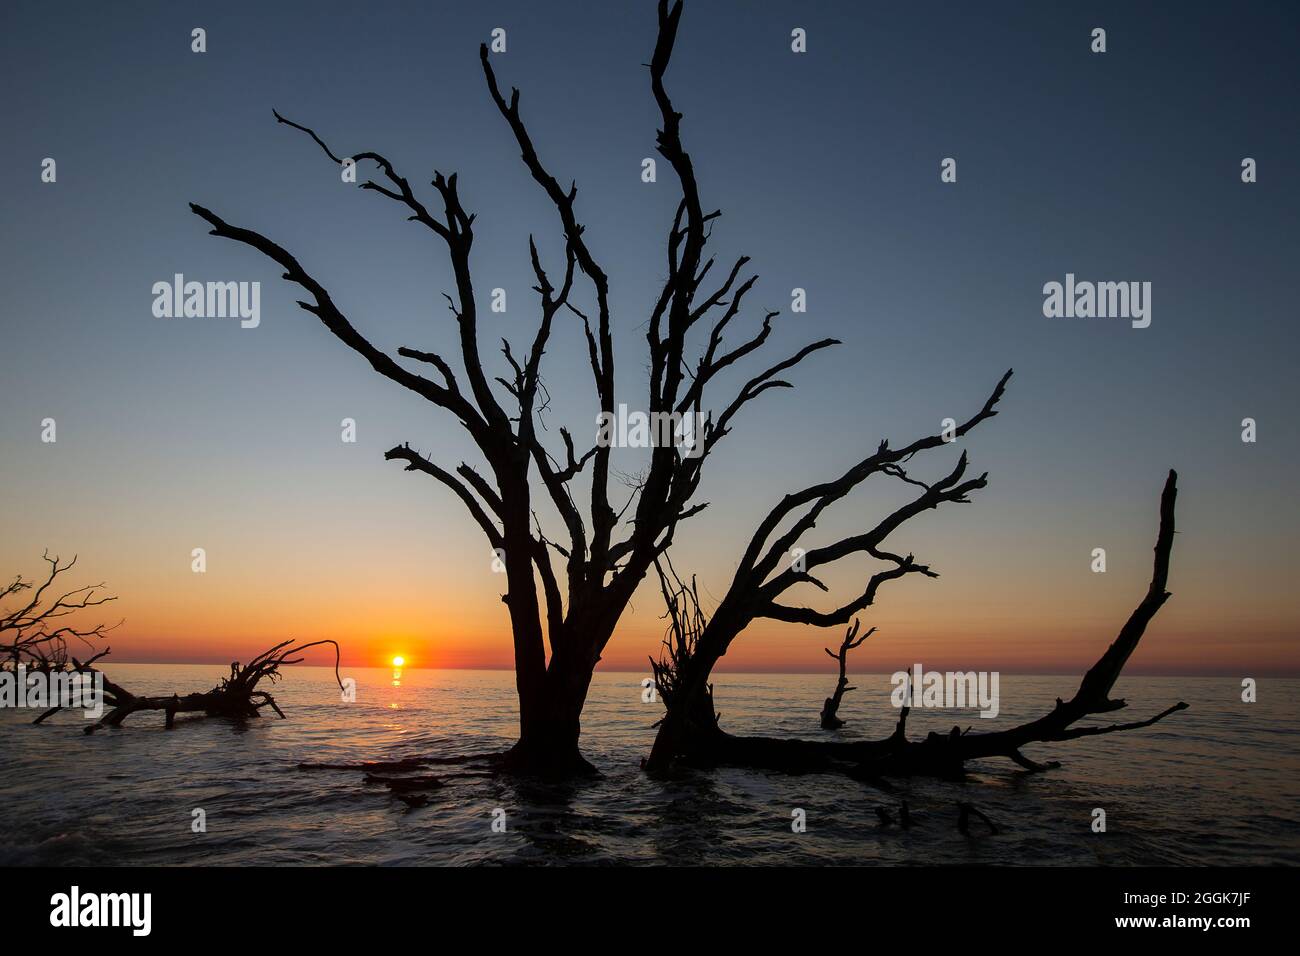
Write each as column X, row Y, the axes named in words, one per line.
column 236, row 696
column 830, row 709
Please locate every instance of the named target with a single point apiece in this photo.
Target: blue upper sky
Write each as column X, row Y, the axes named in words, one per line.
column 1116, row 166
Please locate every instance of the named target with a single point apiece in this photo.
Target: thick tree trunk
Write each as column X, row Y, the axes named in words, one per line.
column 551, row 702
column 550, row 696
column 548, row 737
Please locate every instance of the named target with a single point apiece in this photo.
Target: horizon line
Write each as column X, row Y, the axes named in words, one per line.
column 506, row 668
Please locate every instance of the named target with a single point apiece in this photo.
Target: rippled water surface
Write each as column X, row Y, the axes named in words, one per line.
column 1217, row 783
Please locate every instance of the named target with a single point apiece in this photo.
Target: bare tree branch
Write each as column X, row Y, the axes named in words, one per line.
column 830, row 719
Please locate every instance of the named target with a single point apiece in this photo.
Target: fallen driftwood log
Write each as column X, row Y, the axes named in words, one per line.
column 236, row 696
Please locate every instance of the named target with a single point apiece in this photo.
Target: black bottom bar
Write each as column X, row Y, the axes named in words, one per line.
column 946, row 906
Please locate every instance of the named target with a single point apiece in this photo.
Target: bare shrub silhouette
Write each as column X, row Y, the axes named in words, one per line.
column 38, row 630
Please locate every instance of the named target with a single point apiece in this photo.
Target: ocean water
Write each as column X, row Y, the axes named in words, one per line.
column 1215, row 784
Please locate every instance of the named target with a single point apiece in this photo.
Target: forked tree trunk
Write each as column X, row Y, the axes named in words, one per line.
column 551, row 723
column 552, row 699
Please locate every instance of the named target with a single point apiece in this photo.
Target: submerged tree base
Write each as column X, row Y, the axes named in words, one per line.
column 547, row 762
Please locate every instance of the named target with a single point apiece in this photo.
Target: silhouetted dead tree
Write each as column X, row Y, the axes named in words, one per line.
column 699, row 739
column 36, row 631
column 830, row 708
column 766, row 572
column 236, row 696
column 606, row 552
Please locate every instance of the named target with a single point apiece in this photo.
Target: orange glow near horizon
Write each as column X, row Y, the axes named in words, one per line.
column 1179, row 645
column 1025, row 613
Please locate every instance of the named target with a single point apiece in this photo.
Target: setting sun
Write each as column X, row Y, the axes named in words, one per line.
column 399, row 661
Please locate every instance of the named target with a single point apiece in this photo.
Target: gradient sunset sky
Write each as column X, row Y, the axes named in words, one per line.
column 183, row 433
